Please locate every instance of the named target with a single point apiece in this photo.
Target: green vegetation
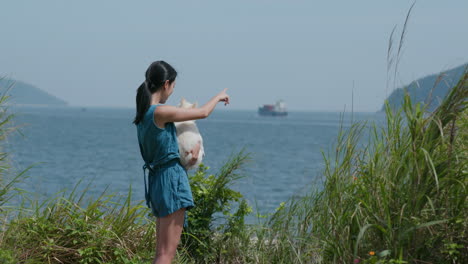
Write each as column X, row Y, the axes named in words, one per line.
column 7, row 188
column 214, row 201
column 65, row 229
column 400, row 198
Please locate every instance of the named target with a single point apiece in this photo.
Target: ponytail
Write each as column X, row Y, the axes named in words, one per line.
column 143, row 99
column 156, row 74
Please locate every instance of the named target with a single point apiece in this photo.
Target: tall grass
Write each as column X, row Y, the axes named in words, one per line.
column 7, row 185
column 68, row 229
column 402, row 198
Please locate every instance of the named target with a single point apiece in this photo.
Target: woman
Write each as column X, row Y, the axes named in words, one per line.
column 168, row 193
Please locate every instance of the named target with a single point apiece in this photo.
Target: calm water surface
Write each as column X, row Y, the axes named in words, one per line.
column 99, row 145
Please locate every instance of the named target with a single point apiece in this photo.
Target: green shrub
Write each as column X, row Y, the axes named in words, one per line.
column 214, row 201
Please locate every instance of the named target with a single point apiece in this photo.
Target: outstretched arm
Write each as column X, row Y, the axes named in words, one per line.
column 166, row 113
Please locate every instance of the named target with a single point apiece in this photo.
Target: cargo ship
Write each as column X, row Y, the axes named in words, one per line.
column 278, row 109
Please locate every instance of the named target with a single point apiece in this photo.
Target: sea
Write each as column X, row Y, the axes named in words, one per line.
column 97, row 149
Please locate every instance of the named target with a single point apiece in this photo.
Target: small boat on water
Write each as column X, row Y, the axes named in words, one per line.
column 278, row 109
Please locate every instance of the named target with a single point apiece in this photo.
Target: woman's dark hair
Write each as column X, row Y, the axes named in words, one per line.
column 156, row 75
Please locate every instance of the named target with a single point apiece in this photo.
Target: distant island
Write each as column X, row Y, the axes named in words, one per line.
column 420, row 90
column 22, row 93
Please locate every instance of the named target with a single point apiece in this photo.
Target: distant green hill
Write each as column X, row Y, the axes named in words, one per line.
column 420, row 89
column 26, row 94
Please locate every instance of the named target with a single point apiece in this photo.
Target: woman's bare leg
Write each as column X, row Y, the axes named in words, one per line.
column 157, row 238
column 168, row 231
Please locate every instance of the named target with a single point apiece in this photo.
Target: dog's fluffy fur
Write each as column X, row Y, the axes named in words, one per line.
column 188, row 136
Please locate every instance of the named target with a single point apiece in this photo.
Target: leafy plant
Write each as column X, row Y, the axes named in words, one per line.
column 214, row 201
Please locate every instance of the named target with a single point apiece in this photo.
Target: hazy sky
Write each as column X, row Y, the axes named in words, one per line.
column 95, row 53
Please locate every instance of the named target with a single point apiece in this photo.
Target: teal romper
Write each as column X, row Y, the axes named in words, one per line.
column 168, row 187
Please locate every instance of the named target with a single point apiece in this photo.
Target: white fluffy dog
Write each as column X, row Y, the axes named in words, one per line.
column 188, row 137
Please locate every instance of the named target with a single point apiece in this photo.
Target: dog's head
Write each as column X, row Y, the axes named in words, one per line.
column 186, row 104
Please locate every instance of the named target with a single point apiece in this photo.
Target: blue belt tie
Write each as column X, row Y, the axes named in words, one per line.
column 147, row 195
